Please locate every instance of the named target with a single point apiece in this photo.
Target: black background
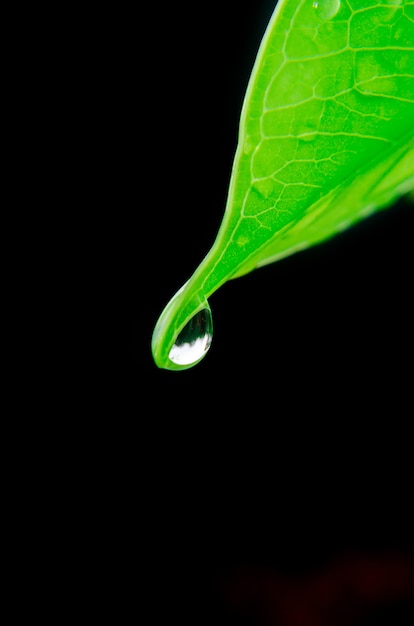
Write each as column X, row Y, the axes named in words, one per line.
column 290, row 442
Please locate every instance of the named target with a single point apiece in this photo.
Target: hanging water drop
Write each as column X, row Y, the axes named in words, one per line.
column 194, row 340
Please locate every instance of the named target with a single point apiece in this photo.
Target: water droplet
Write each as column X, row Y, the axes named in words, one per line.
column 327, row 8
column 194, row 340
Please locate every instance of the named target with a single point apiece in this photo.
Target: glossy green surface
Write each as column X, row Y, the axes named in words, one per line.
column 325, row 139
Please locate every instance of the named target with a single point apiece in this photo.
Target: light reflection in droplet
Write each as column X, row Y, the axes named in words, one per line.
column 327, row 9
column 194, row 340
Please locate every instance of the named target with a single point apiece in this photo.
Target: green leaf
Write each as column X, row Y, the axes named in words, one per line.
column 325, row 140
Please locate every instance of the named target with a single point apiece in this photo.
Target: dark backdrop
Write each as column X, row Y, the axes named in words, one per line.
column 289, row 445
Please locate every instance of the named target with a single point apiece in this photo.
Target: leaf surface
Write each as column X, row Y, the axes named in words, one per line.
column 325, row 140
column 329, row 102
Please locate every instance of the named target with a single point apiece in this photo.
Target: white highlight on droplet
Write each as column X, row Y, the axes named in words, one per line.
column 188, row 353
